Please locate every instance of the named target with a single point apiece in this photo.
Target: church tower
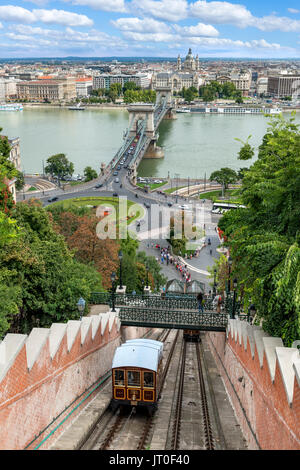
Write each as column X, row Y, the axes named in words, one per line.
column 178, row 62
column 197, row 62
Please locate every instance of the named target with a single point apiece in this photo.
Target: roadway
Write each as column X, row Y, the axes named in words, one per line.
column 116, row 182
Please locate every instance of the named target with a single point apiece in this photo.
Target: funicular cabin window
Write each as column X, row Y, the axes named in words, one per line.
column 119, row 377
column 148, row 379
column 133, row 378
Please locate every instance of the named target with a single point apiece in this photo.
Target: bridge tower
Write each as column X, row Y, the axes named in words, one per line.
column 139, row 112
column 164, row 93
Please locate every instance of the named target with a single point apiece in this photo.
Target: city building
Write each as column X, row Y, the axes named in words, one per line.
column 262, row 86
column 241, row 80
column 84, row 86
column 15, row 154
column 11, row 184
column 281, row 86
column 190, row 64
column 8, row 88
column 105, row 80
column 177, row 81
column 47, row 90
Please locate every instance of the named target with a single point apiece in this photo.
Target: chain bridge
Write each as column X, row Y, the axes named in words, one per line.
column 144, row 119
column 169, row 311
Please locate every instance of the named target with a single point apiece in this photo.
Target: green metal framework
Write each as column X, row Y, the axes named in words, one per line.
column 169, row 311
column 178, row 319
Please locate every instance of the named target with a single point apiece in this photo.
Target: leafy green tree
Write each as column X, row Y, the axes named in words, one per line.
column 224, row 177
column 264, row 238
column 130, row 86
column 58, row 165
column 89, row 173
column 39, row 274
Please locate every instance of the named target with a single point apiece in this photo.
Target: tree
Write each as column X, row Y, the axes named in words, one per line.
column 130, row 86
column 89, row 173
column 224, row 177
column 58, row 165
column 264, row 238
column 40, row 279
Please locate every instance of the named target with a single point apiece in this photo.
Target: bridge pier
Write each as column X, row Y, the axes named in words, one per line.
column 154, row 151
column 171, row 114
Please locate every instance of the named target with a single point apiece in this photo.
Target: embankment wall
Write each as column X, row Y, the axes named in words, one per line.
column 262, row 379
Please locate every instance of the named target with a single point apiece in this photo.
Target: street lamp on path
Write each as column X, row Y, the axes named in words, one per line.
column 147, row 270
column 229, row 272
column 234, row 297
column 113, row 278
column 120, row 258
column 81, row 306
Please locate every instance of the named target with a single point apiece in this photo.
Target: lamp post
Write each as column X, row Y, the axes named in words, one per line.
column 234, row 297
column 251, row 313
column 215, row 285
column 120, row 258
column 113, row 278
column 81, row 306
column 229, row 272
column 147, row 281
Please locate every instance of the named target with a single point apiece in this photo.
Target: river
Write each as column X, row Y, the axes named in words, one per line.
column 194, row 144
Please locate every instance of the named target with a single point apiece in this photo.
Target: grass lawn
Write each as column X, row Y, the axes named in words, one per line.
column 232, row 195
column 93, row 202
column 172, row 190
column 152, row 186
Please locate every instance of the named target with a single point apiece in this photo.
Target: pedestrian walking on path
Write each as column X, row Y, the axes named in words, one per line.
column 200, row 302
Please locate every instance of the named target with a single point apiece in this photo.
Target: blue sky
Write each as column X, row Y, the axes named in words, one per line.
column 150, row 28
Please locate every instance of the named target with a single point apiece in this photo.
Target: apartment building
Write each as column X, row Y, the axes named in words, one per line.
column 47, row 89
column 105, row 80
column 84, row 86
column 284, row 85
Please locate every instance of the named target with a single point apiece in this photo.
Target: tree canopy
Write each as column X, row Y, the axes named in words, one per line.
column 264, row 238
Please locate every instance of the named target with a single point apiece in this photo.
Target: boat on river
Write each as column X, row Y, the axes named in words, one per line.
column 78, row 107
column 11, row 107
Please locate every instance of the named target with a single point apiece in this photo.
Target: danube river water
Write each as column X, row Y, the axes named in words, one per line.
column 194, row 145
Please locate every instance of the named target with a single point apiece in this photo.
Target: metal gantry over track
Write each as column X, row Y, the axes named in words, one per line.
column 156, row 311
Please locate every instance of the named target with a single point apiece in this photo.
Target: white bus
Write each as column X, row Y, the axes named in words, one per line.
column 222, row 207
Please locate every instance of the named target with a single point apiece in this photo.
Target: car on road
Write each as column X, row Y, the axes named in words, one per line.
column 117, row 180
column 115, row 194
column 115, row 173
column 183, row 207
column 98, row 185
column 147, row 205
column 118, row 167
column 52, row 199
column 170, row 204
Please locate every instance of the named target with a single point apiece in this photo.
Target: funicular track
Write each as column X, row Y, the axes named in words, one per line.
column 184, row 374
column 112, row 425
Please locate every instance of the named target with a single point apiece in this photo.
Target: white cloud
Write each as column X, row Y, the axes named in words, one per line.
column 105, row 5
column 221, row 13
column 272, row 23
column 238, row 15
column 199, row 30
column 148, row 37
column 170, row 10
column 145, row 25
column 17, row 14
column 293, row 10
column 62, row 17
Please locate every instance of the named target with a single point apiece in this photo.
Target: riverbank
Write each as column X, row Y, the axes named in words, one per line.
column 123, row 106
column 105, row 106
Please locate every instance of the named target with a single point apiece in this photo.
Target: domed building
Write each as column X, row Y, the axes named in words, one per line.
column 190, row 64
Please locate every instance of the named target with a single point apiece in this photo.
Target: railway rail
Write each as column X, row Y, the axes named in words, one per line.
column 185, row 372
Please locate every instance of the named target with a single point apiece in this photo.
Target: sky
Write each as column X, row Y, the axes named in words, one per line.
column 150, row 28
